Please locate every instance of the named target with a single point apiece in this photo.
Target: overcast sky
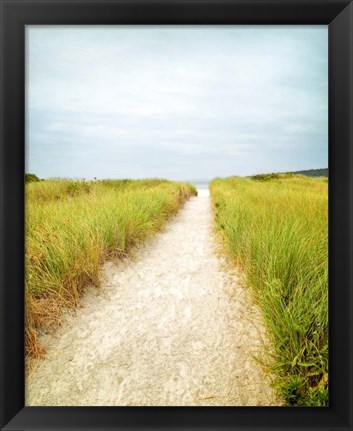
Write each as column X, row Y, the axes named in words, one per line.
column 179, row 102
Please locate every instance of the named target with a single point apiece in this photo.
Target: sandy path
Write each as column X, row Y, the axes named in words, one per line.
column 171, row 328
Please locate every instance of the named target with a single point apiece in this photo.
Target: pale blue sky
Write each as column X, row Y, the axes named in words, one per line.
column 179, row 102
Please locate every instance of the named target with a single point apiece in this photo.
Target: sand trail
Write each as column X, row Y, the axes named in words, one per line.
column 168, row 327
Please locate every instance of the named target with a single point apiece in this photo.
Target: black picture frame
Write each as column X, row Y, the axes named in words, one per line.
column 15, row 14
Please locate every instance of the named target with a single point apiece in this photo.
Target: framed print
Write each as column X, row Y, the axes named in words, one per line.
column 176, row 215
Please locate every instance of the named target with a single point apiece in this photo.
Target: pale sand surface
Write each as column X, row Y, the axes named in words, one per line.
column 170, row 327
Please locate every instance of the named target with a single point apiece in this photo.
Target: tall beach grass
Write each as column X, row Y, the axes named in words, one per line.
column 275, row 229
column 72, row 227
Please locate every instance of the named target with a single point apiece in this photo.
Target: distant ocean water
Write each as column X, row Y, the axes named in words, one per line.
column 200, row 185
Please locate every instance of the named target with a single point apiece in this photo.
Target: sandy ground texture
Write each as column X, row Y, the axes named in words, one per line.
column 168, row 327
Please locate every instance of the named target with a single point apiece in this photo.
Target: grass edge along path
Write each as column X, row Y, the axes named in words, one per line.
column 275, row 228
column 72, row 227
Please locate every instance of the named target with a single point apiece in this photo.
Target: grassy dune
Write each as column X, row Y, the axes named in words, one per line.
column 73, row 226
column 276, row 229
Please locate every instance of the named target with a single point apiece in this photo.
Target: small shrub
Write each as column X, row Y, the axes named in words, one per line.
column 31, row 178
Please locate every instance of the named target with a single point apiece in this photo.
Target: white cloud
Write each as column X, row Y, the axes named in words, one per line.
column 221, row 96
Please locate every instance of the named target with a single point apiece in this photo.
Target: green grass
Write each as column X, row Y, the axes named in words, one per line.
column 72, row 227
column 275, row 229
